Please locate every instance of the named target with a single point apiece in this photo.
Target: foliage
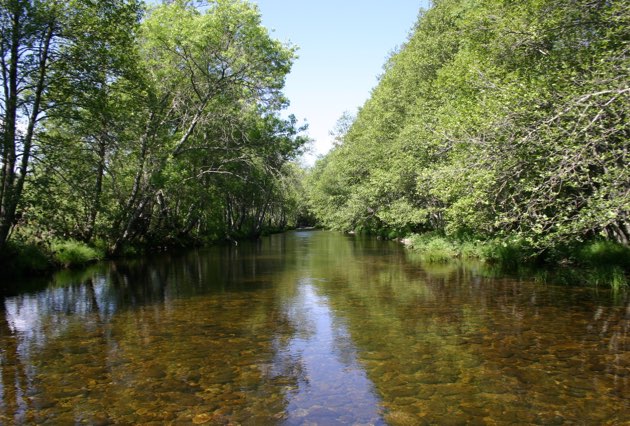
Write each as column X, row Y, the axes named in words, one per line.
column 73, row 253
column 77, row 45
column 150, row 127
column 436, row 248
column 604, row 253
column 211, row 137
column 508, row 254
column 501, row 122
column 598, row 263
column 29, row 257
column 20, row 257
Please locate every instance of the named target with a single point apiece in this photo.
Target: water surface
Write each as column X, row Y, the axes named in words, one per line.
column 310, row 328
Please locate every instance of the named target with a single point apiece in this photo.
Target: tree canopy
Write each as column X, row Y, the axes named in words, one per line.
column 128, row 126
column 495, row 119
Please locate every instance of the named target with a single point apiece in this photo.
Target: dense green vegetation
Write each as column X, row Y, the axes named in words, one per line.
column 498, row 131
column 128, row 127
column 504, row 124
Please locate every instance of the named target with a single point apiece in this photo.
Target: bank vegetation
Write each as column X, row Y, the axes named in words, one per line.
column 501, row 125
column 126, row 127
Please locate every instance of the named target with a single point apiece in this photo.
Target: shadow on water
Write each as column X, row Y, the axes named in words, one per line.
column 310, row 327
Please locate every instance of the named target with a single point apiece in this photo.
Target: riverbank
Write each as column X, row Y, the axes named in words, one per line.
column 22, row 258
column 594, row 263
column 34, row 258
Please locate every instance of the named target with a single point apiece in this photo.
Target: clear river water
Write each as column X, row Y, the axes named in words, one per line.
column 310, row 328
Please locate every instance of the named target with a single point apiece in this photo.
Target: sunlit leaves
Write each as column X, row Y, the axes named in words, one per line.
column 163, row 122
column 495, row 118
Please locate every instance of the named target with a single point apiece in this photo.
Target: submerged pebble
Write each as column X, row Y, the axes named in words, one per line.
column 246, row 337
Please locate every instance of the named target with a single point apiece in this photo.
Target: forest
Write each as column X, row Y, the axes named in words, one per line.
column 126, row 127
column 498, row 130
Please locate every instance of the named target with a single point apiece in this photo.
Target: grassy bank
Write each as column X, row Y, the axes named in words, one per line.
column 29, row 258
column 597, row 263
column 24, row 256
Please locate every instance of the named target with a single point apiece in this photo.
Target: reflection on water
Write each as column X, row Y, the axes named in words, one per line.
column 310, row 328
column 333, row 388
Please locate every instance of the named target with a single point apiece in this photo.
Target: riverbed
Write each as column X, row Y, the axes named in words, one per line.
column 311, row 327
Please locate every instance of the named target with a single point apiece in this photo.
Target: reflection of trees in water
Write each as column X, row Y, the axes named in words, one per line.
column 288, row 369
column 319, row 358
column 25, row 336
column 294, row 323
column 450, row 329
column 13, row 385
column 124, row 343
column 137, row 335
column 343, row 345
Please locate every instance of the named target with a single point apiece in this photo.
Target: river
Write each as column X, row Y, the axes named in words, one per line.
column 310, row 328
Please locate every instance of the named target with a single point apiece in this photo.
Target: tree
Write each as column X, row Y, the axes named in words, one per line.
column 43, row 42
column 156, row 130
column 26, row 43
column 205, row 70
column 495, row 119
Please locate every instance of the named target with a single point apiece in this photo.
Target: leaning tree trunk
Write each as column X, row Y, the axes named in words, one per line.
column 98, row 191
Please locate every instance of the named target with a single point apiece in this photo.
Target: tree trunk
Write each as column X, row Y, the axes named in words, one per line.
column 7, row 190
column 12, row 188
column 98, row 190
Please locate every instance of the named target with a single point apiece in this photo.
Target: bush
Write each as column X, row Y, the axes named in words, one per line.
column 509, row 254
column 21, row 257
column 433, row 248
column 605, row 253
column 73, row 253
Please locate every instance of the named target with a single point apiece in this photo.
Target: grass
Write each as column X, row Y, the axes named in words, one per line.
column 604, row 253
column 510, row 254
column 433, row 248
column 22, row 257
column 71, row 253
column 595, row 263
column 614, row 278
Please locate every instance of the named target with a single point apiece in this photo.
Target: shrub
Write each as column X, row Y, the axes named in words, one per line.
column 21, row 257
column 605, row 253
column 433, row 248
column 73, row 253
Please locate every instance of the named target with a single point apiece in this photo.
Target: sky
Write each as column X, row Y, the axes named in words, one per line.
column 343, row 45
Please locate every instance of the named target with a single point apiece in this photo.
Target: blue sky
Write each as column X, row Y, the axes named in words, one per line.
column 343, row 45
